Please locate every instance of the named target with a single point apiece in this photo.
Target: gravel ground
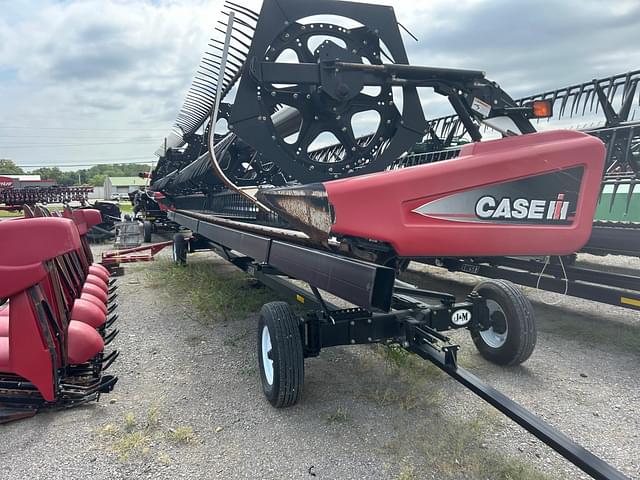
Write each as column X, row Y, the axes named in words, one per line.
column 189, row 404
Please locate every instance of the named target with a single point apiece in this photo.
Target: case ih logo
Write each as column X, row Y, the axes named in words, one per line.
column 531, row 200
column 6, row 182
column 522, row 208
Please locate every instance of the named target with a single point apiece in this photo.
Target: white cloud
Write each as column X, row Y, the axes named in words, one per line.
column 116, row 64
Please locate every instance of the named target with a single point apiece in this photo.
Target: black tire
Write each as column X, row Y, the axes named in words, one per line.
column 180, row 248
column 148, row 230
column 512, row 337
column 283, row 387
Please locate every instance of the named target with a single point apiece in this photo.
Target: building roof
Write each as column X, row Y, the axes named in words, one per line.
column 128, row 181
column 22, row 177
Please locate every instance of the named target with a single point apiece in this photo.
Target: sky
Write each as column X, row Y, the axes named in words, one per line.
column 103, row 80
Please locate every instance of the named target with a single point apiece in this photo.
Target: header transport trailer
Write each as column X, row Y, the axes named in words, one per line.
column 255, row 179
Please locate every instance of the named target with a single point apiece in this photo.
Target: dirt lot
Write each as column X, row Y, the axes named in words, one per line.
column 189, row 403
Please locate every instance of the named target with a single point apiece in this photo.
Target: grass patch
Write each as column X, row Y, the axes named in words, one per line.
column 407, row 472
column 134, row 438
column 453, row 448
column 129, row 421
column 340, row 415
column 217, row 294
column 407, row 363
column 125, row 207
column 12, row 214
column 130, row 443
column 448, row 446
column 181, row 435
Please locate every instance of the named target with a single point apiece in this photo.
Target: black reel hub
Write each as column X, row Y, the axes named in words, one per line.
column 330, row 107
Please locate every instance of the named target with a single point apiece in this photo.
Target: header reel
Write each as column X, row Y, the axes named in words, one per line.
column 315, row 100
column 292, row 66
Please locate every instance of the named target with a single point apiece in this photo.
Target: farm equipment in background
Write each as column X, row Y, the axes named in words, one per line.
column 606, row 108
column 56, row 313
column 30, row 195
column 111, row 214
column 305, row 175
column 147, row 210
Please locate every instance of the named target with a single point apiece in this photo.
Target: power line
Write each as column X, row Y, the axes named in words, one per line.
column 74, row 137
column 104, row 161
column 39, row 145
column 85, row 129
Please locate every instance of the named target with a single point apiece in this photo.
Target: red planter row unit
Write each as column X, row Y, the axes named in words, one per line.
column 56, row 313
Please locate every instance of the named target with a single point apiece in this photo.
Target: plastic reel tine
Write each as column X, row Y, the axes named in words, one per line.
column 232, row 47
column 235, row 38
column 577, row 98
column 236, row 29
column 241, row 9
column 241, row 60
column 203, row 88
column 611, row 88
column 198, row 99
column 586, row 101
column 195, row 98
column 192, row 106
column 207, row 73
column 213, row 63
column 219, row 57
column 242, row 22
column 190, row 111
column 627, row 101
column 196, row 108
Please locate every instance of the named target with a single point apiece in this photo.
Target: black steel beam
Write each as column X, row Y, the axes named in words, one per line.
column 597, row 292
column 366, row 285
column 557, row 440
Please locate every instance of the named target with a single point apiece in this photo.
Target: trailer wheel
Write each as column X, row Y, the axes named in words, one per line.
column 148, row 230
column 179, row 249
column 512, row 336
column 280, row 355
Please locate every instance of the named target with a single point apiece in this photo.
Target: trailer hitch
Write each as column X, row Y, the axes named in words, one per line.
column 425, row 343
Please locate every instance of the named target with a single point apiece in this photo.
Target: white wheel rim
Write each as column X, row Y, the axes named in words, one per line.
column 267, row 363
column 490, row 336
column 175, row 252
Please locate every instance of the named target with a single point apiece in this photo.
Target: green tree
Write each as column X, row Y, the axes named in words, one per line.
column 7, row 167
column 97, row 180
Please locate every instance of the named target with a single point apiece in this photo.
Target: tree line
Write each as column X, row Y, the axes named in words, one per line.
column 91, row 176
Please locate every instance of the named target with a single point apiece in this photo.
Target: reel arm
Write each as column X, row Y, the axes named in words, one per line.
column 471, row 95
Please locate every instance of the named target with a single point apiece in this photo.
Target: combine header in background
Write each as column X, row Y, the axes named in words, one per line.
column 307, row 173
column 15, row 192
column 608, row 109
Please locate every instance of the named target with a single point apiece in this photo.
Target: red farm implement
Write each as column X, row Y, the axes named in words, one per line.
column 286, row 188
column 56, row 316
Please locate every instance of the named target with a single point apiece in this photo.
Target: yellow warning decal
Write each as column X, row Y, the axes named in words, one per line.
column 300, row 298
column 630, row 301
